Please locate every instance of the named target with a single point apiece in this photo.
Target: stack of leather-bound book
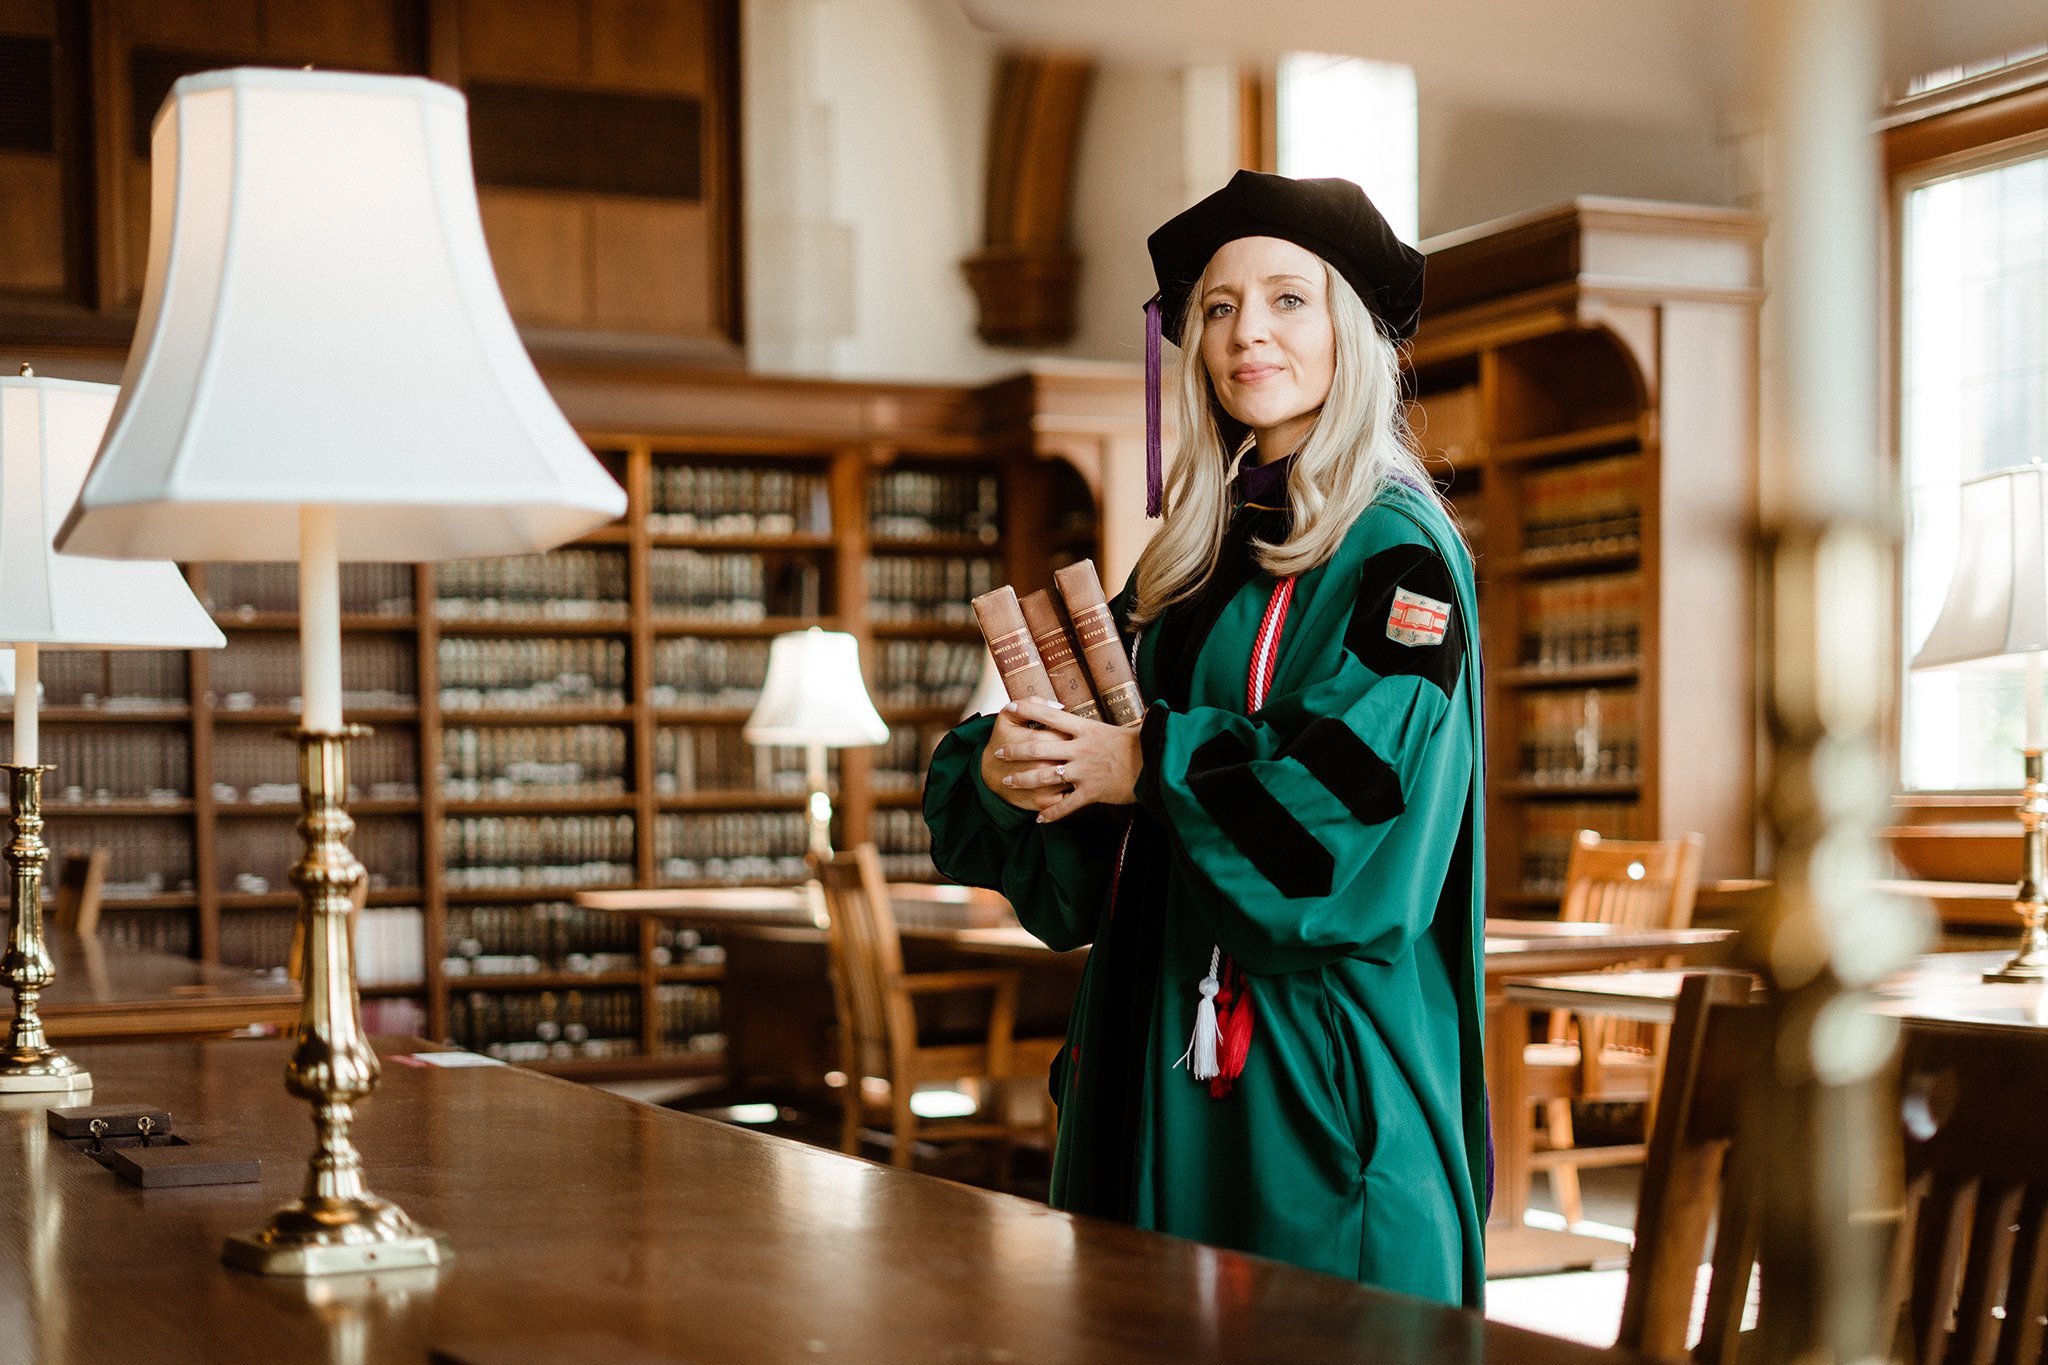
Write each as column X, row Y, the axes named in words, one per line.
column 1061, row 645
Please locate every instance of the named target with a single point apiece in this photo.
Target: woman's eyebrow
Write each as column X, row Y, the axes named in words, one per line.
column 1284, row 277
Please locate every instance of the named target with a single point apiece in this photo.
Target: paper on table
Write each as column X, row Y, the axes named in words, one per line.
column 452, row 1060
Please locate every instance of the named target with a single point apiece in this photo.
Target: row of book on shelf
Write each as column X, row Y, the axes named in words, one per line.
column 553, row 937
column 390, row 943
column 262, row 669
column 482, row 672
column 1593, row 506
column 149, row 857
column 908, row 504
column 253, row 767
column 255, row 856
column 573, row 1024
column 910, row 589
column 732, row 500
column 1572, row 622
column 533, row 761
column 1588, row 735
column 561, row 585
column 366, row 589
column 533, row 674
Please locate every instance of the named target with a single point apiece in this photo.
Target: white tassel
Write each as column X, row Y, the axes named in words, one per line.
column 1200, row 1058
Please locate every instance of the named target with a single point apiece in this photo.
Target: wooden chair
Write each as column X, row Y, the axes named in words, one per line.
column 1970, row 1262
column 1637, row 885
column 1969, row 1276
column 878, row 1025
column 79, row 879
column 1694, row 1178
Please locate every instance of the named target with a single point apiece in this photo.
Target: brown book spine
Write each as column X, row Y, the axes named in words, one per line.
column 1102, row 649
column 1056, row 650
column 1009, row 642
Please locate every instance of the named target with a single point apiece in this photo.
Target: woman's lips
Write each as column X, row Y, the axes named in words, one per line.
column 1252, row 374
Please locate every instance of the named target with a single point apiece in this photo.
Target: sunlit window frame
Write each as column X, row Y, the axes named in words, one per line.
column 1973, row 125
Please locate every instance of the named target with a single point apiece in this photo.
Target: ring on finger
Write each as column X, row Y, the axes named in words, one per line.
column 1060, row 772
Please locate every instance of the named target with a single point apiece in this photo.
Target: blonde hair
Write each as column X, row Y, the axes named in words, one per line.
column 1360, row 441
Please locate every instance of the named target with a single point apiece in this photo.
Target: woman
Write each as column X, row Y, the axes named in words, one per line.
column 1283, row 862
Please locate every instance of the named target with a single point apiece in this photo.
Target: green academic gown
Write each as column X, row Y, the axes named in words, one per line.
column 1331, row 844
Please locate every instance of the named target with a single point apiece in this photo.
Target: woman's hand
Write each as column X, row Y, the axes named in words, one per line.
column 1065, row 765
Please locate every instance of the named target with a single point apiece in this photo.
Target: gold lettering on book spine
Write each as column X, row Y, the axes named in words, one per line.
column 1095, row 626
column 1012, row 652
column 1125, row 705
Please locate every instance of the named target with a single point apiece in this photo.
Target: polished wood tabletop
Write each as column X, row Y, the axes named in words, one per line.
column 102, row 991
column 1941, row 986
column 1522, row 947
column 589, row 1227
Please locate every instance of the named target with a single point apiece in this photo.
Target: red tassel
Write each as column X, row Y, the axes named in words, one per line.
column 1234, row 1014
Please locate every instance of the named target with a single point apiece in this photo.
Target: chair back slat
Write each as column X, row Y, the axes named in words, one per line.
column 2025, row 1334
column 1738, row 1228
column 1986, row 1265
column 1942, row 1207
column 1633, row 884
column 867, row 955
column 1716, row 1039
column 1971, row 1257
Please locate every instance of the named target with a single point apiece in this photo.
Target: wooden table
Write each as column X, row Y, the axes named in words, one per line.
column 587, row 1227
column 1513, row 948
column 1943, row 986
column 777, row 1009
column 1967, row 906
column 104, row 992
column 1529, row 947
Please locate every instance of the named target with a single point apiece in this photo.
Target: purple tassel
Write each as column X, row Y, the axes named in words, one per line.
column 1155, row 479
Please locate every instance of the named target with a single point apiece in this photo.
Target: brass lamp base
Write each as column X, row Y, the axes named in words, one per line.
column 48, row 1074
column 2030, row 963
column 337, row 1237
column 28, row 1064
column 337, row 1227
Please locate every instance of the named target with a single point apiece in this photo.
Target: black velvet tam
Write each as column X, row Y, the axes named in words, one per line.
column 1332, row 218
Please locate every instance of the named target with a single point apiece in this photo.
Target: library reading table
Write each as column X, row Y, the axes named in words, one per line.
column 588, row 1227
column 104, row 992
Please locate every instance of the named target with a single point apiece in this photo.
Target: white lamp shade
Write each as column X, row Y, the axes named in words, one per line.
column 49, row 429
column 1997, row 601
column 815, row 695
column 321, row 326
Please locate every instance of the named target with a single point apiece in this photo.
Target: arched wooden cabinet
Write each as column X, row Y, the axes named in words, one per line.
column 1587, row 378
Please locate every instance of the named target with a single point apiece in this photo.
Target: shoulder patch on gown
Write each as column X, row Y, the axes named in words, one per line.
column 1406, row 622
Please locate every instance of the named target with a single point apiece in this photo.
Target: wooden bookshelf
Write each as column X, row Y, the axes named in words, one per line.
column 435, row 667
column 1586, row 384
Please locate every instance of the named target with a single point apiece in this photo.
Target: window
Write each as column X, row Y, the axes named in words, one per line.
column 1973, row 389
column 1349, row 117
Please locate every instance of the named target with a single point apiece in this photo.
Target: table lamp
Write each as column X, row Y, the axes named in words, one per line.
column 814, row 696
column 49, row 429
column 1997, row 605
column 324, row 369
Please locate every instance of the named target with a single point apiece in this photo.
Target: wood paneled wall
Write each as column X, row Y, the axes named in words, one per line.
column 605, row 134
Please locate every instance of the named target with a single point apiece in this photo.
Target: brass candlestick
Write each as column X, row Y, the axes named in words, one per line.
column 338, row 1227
column 2030, row 963
column 29, row 1063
